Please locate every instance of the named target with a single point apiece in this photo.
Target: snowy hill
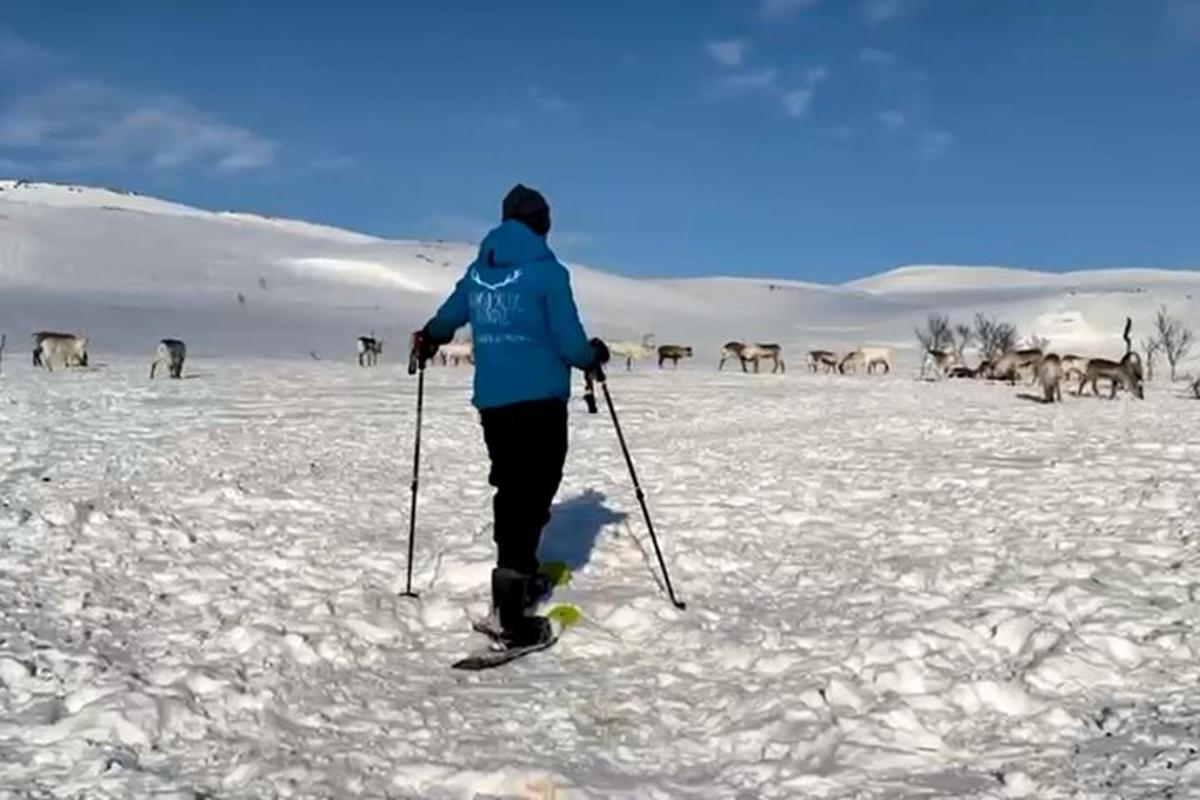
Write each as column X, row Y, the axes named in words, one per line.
column 128, row 269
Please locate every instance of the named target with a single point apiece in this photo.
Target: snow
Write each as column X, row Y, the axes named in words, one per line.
column 895, row 589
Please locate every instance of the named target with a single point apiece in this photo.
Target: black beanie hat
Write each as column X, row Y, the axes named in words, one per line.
column 528, row 206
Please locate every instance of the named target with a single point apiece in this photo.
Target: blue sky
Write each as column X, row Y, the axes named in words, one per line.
column 813, row 139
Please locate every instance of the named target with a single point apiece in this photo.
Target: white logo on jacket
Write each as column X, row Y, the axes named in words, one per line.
column 494, row 306
column 495, row 287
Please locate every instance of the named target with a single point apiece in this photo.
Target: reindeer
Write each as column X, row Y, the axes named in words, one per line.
column 942, row 360
column 672, row 353
column 172, row 353
column 1073, row 366
column 822, row 358
column 870, row 357
column 1050, row 374
column 963, row 371
column 1008, row 366
column 369, row 350
column 69, row 349
column 759, row 352
column 457, row 352
column 632, row 351
column 38, row 338
column 732, row 350
column 1127, row 373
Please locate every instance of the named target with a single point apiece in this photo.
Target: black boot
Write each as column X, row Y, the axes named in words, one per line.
column 510, row 596
column 540, row 586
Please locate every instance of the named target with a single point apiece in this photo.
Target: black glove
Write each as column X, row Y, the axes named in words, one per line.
column 600, row 353
column 423, row 349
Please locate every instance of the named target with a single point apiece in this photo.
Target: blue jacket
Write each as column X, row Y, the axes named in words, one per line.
column 524, row 323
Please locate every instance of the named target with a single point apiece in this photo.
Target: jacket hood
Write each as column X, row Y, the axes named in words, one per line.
column 513, row 243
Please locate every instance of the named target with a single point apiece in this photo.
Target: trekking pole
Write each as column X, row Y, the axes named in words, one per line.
column 637, row 486
column 415, row 365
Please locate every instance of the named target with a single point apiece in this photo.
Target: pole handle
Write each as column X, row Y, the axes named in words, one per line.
column 589, row 391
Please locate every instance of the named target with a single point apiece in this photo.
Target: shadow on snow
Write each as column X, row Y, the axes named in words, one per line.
column 575, row 525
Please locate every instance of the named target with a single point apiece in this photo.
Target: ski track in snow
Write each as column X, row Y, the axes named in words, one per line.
column 896, row 590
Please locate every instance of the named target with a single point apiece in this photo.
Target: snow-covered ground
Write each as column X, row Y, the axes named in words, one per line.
column 896, row 590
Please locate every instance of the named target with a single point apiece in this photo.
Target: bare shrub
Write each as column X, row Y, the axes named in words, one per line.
column 1035, row 342
column 994, row 338
column 936, row 335
column 963, row 336
column 1150, row 349
column 1174, row 337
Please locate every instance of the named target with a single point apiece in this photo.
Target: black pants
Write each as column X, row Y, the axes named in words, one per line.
column 527, row 444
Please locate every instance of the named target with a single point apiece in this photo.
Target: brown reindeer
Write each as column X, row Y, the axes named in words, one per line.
column 869, row 357
column 943, row 361
column 1073, row 366
column 818, row 359
column 1050, row 375
column 67, row 348
column 1126, row 373
column 171, row 353
column 764, row 352
column 732, row 350
column 1008, row 366
column 672, row 353
column 369, row 350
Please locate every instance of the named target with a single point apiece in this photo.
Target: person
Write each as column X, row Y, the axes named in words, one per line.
column 527, row 336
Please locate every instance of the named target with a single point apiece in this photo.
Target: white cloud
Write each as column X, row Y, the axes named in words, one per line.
column 548, row 102
column 797, row 102
column 1183, row 16
column 873, row 55
column 85, row 123
column 728, row 53
column 878, row 12
column 15, row 51
column 893, row 120
column 783, row 8
column 749, row 81
column 933, row 144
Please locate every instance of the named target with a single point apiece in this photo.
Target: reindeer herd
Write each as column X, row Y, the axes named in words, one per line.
column 70, row 350
column 749, row 356
column 869, row 358
column 1031, row 365
column 1050, row 370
